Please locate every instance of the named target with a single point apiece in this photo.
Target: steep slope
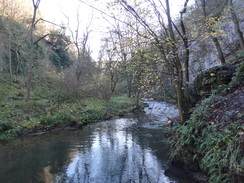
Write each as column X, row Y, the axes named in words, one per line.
column 212, row 140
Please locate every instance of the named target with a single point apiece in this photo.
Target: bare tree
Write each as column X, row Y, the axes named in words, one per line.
column 17, row 10
column 31, row 59
column 167, row 45
column 80, row 43
column 126, row 44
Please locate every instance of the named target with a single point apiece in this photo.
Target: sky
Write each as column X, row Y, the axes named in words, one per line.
column 54, row 10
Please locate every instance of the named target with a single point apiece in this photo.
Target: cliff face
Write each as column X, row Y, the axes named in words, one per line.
column 203, row 52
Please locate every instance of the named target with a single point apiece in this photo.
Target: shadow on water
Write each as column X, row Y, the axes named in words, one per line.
column 120, row 150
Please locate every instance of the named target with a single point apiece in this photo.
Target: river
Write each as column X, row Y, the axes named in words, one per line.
column 127, row 150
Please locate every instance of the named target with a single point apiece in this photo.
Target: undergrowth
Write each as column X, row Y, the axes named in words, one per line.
column 215, row 146
column 46, row 111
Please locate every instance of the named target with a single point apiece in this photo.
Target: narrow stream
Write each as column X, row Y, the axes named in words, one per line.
column 125, row 150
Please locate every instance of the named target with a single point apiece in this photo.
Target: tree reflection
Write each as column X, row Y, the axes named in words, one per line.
column 115, row 155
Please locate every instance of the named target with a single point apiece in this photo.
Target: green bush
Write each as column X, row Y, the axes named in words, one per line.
column 10, row 133
column 8, row 130
column 58, row 118
column 5, row 126
column 237, row 79
column 92, row 116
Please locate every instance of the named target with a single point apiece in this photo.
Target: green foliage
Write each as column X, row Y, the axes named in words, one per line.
column 5, row 126
column 13, row 132
column 47, row 112
column 215, row 146
column 237, row 79
column 16, row 45
column 99, row 109
column 57, row 118
column 120, row 105
column 235, row 57
column 59, row 53
column 91, row 115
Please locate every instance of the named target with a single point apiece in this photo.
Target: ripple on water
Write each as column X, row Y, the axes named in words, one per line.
column 159, row 113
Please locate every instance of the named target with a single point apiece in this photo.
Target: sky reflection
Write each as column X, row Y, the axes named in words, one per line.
column 114, row 155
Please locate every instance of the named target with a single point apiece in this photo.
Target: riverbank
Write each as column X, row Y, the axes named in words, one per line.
column 46, row 113
column 212, row 139
column 127, row 149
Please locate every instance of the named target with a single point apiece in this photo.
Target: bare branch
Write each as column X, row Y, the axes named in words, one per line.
column 41, row 19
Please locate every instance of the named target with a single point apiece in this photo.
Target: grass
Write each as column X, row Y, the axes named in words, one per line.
column 45, row 112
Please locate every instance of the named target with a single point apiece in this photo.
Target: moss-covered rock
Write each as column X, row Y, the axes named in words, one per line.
column 207, row 82
column 217, row 80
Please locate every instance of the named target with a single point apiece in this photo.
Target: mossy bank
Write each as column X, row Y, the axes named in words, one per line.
column 46, row 112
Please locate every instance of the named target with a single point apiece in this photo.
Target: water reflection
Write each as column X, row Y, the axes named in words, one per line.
column 34, row 159
column 120, row 150
column 114, row 156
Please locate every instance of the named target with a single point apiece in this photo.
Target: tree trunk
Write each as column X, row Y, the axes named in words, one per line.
column 215, row 39
column 186, row 65
column 31, row 59
column 186, row 44
column 178, row 83
column 18, row 64
column 180, row 102
column 129, row 87
column 10, row 58
column 237, row 25
column 219, row 50
column 79, row 64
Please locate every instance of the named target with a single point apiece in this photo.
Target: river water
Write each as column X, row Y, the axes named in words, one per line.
column 126, row 150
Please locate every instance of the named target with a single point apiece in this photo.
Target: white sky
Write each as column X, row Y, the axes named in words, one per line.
column 53, row 10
